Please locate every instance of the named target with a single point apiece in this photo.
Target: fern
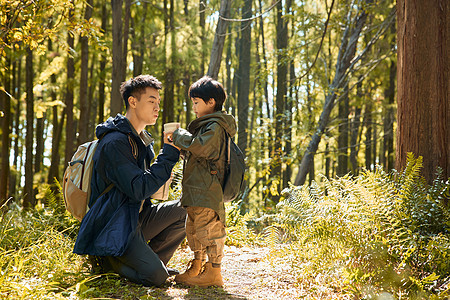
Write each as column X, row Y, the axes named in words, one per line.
column 389, row 230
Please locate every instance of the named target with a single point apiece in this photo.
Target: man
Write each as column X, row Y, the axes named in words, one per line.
column 127, row 235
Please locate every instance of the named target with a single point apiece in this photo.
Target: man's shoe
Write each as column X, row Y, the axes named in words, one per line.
column 209, row 277
column 172, row 271
column 194, row 268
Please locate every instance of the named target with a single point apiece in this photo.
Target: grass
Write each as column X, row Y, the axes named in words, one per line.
column 377, row 235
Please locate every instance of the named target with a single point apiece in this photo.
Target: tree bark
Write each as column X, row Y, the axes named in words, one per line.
column 70, row 128
column 28, row 198
column 83, row 127
column 343, row 112
column 346, row 53
column 423, row 112
column 243, row 83
column 219, row 39
column 102, row 76
column 6, row 120
column 117, row 57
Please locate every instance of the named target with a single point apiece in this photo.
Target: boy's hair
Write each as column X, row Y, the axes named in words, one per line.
column 207, row 88
column 135, row 86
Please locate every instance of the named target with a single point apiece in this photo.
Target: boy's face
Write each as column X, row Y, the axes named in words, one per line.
column 147, row 106
column 201, row 108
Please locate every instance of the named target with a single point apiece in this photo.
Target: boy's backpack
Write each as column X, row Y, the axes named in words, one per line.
column 234, row 171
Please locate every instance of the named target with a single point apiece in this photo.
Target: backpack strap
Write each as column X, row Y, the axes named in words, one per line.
column 134, row 150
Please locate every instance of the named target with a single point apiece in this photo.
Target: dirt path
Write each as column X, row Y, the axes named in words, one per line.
column 247, row 273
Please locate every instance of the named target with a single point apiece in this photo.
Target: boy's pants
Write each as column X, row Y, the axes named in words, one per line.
column 160, row 232
column 205, row 234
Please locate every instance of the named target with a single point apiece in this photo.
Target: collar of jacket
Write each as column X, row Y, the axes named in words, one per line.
column 145, row 136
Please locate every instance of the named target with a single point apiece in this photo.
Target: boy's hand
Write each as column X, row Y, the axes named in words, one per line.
column 168, row 139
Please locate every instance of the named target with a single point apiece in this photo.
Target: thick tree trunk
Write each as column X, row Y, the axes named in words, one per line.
column 28, row 198
column 219, row 39
column 83, row 127
column 423, row 112
column 346, row 53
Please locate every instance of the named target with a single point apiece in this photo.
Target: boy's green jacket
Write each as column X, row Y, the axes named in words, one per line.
column 205, row 141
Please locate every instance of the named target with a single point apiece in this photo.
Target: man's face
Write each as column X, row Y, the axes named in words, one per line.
column 147, row 106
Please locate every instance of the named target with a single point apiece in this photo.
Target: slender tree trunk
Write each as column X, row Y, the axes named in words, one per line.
column 343, row 108
column 219, row 39
column 17, row 131
column 117, row 57
column 84, row 104
column 28, row 199
column 389, row 117
column 346, row 53
column 70, row 127
column 243, row 83
column 282, row 70
column 6, row 120
column 102, row 76
column 354, row 131
column 201, row 9
column 368, row 123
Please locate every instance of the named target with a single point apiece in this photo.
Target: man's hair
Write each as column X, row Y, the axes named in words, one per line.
column 207, row 88
column 135, row 86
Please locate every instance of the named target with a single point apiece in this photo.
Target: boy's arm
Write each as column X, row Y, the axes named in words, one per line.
column 206, row 145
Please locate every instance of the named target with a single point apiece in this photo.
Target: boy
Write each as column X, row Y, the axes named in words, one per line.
column 136, row 244
column 204, row 143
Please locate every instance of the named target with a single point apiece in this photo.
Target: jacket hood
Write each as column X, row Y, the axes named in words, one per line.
column 225, row 120
column 118, row 123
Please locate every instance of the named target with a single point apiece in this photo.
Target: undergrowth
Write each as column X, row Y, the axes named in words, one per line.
column 379, row 232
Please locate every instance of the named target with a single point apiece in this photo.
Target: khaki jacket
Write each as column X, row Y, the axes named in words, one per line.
column 204, row 142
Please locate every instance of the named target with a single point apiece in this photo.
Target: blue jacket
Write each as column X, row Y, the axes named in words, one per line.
column 113, row 218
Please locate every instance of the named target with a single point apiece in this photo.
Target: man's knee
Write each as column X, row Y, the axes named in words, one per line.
column 155, row 277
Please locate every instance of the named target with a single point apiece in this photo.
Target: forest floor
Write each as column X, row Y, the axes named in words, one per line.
column 248, row 273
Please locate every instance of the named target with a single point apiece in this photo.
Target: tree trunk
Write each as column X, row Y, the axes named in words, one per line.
column 389, row 118
column 102, row 76
column 6, row 120
column 83, row 127
column 354, row 132
column 117, row 57
column 368, row 123
column 202, row 8
column 243, row 84
column 219, row 39
column 17, row 92
column 423, row 112
column 346, row 53
column 28, row 199
column 282, row 70
column 70, row 128
column 343, row 112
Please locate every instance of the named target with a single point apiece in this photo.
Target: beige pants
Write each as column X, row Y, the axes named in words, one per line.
column 205, row 233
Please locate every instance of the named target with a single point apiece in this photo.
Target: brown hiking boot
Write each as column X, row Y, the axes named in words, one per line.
column 194, row 268
column 209, row 277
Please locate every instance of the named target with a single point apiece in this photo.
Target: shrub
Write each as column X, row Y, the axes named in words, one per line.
column 388, row 232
